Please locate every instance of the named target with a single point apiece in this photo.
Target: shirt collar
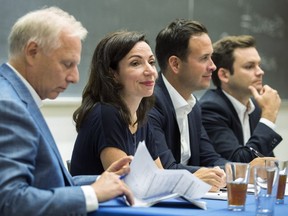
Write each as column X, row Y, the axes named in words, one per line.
column 178, row 101
column 239, row 107
column 32, row 91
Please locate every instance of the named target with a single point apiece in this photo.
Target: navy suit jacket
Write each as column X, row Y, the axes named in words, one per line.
column 223, row 126
column 167, row 134
column 33, row 177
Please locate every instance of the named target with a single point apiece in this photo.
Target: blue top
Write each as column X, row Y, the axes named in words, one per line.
column 104, row 127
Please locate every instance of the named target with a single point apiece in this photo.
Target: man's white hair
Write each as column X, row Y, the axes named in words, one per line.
column 44, row 27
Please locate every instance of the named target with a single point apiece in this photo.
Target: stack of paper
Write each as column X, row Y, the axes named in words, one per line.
column 150, row 184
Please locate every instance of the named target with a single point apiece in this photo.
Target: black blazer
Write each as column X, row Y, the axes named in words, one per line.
column 163, row 118
column 223, row 126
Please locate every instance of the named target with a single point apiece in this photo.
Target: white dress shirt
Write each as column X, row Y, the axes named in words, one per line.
column 89, row 194
column 182, row 109
column 243, row 114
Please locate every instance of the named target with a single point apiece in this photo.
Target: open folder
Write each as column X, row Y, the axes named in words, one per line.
column 150, row 184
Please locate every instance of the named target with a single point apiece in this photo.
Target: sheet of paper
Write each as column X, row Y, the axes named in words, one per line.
column 150, row 183
column 152, row 201
column 221, row 195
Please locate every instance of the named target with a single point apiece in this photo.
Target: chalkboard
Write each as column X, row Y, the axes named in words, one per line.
column 266, row 20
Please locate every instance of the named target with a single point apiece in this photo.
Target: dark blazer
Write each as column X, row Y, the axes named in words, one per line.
column 163, row 118
column 223, row 126
column 34, row 180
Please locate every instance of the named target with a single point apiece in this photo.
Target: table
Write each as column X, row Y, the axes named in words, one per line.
column 173, row 207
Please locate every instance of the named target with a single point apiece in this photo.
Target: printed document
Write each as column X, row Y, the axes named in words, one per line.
column 150, row 184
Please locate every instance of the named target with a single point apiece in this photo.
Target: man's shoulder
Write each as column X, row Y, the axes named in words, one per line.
column 11, row 85
column 159, row 88
column 213, row 96
column 161, row 94
column 210, row 93
column 215, row 100
column 7, row 91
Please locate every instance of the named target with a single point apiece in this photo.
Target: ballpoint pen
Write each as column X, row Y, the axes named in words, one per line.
column 121, row 177
column 256, row 153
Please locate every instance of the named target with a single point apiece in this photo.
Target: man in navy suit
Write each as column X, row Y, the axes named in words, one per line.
column 183, row 50
column 45, row 48
column 236, row 123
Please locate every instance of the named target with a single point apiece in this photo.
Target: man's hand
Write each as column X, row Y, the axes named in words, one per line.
column 215, row 177
column 269, row 101
column 109, row 185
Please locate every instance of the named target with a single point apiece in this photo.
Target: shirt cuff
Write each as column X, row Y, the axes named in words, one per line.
column 268, row 123
column 90, row 197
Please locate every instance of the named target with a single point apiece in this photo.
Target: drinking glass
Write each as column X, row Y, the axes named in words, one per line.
column 237, row 175
column 283, row 170
column 266, row 179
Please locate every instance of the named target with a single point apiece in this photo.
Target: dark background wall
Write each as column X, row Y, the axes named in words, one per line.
column 266, row 20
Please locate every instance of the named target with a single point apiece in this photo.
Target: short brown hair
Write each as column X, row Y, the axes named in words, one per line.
column 223, row 55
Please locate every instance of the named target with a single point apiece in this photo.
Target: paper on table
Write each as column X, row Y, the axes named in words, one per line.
column 150, row 184
column 221, row 195
column 250, row 188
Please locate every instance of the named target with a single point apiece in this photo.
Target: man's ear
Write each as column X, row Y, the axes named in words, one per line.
column 31, row 50
column 174, row 63
column 224, row 75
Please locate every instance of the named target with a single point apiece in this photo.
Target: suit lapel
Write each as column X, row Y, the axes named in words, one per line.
column 229, row 104
column 238, row 130
column 255, row 116
column 167, row 97
column 40, row 121
column 169, row 106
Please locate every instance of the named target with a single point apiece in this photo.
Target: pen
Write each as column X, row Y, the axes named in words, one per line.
column 256, row 153
column 121, row 177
